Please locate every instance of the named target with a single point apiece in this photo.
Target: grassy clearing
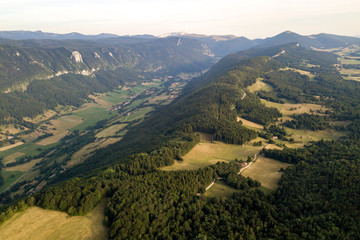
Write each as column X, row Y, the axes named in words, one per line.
column 206, row 153
column 308, row 135
column 250, row 124
column 110, row 131
column 298, row 108
column 24, row 167
column 11, row 146
column 12, row 158
column 266, row 170
column 307, row 73
column 40, row 224
column 9, row 178
column 60, row 127
column 220, row 189
column 259, row 85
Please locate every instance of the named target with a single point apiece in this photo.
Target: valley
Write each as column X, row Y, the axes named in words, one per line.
column 117, row 110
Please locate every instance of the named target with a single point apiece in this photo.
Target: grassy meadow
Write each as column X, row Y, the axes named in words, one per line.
column 266, row 171
column 40, row 224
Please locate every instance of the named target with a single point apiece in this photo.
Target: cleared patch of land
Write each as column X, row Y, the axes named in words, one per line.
column 110, row 131
column 24, row 167
column 40, row 224
column 259, row 85
column 308, row 135
column 307, row 73
column 10, row 146
column 266, row 171
column 220, row 189
column 12, row 158
column 250, row 124
column 289, row 109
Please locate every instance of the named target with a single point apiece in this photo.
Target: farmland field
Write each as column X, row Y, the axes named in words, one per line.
column 40, row 224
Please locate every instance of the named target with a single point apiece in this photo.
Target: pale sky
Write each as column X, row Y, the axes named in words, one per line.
column 251, row 18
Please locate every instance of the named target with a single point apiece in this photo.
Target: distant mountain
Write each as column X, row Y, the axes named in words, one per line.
column 24, row 35
column 219, row 45
column 321, row 40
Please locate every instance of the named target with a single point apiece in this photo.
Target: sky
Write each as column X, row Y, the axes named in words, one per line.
column 251, row 18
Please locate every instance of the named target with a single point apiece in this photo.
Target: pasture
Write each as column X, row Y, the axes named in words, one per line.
column 266, row 171
column 40, row 224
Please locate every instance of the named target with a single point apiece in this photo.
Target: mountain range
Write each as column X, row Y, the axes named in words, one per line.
column 220, row 45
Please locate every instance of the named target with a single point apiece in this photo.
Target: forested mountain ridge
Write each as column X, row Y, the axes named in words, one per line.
column 43, row 60
column 72, row 70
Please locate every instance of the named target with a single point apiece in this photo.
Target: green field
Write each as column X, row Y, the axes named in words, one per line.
column 140, row 113
column 37, row 223
column 91, row 116
column 29, row 149
column 116, row 96
column 266, row 171
column 220, row 189
column 9, row 178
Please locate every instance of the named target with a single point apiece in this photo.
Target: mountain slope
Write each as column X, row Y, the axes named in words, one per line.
column 73, row 69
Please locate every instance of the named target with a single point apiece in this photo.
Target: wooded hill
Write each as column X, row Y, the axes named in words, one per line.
column 318, row 197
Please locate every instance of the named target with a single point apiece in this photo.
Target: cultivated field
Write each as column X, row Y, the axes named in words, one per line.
column 11, row 146
column 220, row 189
column 40, row 224
column 60, row 128
column 23, row 167
column 266, row 171
column 12, row 158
